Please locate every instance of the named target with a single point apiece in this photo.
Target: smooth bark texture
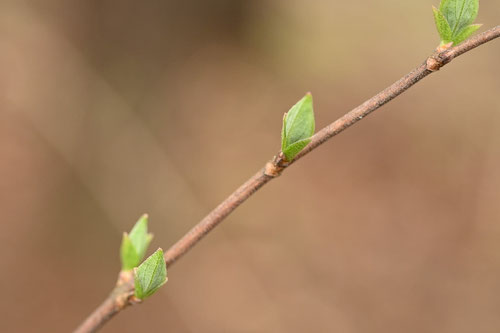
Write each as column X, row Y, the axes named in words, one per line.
column 123, row 296
column 274, row 168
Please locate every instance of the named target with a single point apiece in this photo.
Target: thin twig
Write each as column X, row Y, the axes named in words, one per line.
column 114, row 303
column 274, row 168
column 121, row 297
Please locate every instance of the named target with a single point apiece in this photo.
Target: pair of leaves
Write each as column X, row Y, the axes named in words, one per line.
column 298, row 127
column 454, row 20
column 152, row 273
column 135, row 244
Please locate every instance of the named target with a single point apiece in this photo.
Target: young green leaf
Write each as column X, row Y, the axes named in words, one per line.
column 298, row 127
column 459, row 13
column 140, row 237
column 135, row 244
column 128, row 254
column 283, row 132
column 150, row 275
column 442, row 26
column 292, row 150
column 454, row 20
column 466, row 32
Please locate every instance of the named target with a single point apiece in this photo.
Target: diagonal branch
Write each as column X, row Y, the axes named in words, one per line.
column 115, row 302
column 275, row 167
column 119, row 299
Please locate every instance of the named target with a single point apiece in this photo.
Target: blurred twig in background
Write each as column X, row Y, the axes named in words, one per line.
column 119, row 298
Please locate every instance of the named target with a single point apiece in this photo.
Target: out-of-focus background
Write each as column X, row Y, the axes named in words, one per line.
column 110, row 109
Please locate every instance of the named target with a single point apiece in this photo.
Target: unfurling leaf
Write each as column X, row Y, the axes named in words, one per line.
column 292, row 150
column 459, row 13
column 298, row 127
column 454, row 20
column 140, row 237
column 150, row 275
column 466, row 33
column 128, row 254
column 135, row 244
column 442, row 26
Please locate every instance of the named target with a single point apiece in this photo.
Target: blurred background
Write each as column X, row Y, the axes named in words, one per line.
column 112, row 109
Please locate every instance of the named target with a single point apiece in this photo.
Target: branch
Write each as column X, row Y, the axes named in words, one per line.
column 122, row 295
column 275, row 167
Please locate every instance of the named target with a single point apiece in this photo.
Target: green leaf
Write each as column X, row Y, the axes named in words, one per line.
column 459, row 16
column 459, row 13
column 298, row 127
column 150, row 275
column 466, row 33
column 442, row 26
column 128, row 254
column 283, row 133
column 140, row 237
column 295, row 148
column 135, row 244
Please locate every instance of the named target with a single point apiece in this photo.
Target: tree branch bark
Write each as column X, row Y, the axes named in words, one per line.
column 121, row 297
column 275, row 167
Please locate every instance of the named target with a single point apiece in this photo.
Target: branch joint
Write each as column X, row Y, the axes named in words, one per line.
column 275, row 167
column 439, row 58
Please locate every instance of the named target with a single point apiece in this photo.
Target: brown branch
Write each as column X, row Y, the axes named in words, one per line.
column 119, row 299
column 274, row 168
column 216, row 216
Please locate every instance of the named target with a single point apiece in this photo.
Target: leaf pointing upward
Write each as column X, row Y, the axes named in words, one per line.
column 459, row 13
column 298, row 127
column 135, row 244
column 454, row 20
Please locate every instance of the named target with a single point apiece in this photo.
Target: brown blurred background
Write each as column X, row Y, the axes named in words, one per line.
column 110, row 109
